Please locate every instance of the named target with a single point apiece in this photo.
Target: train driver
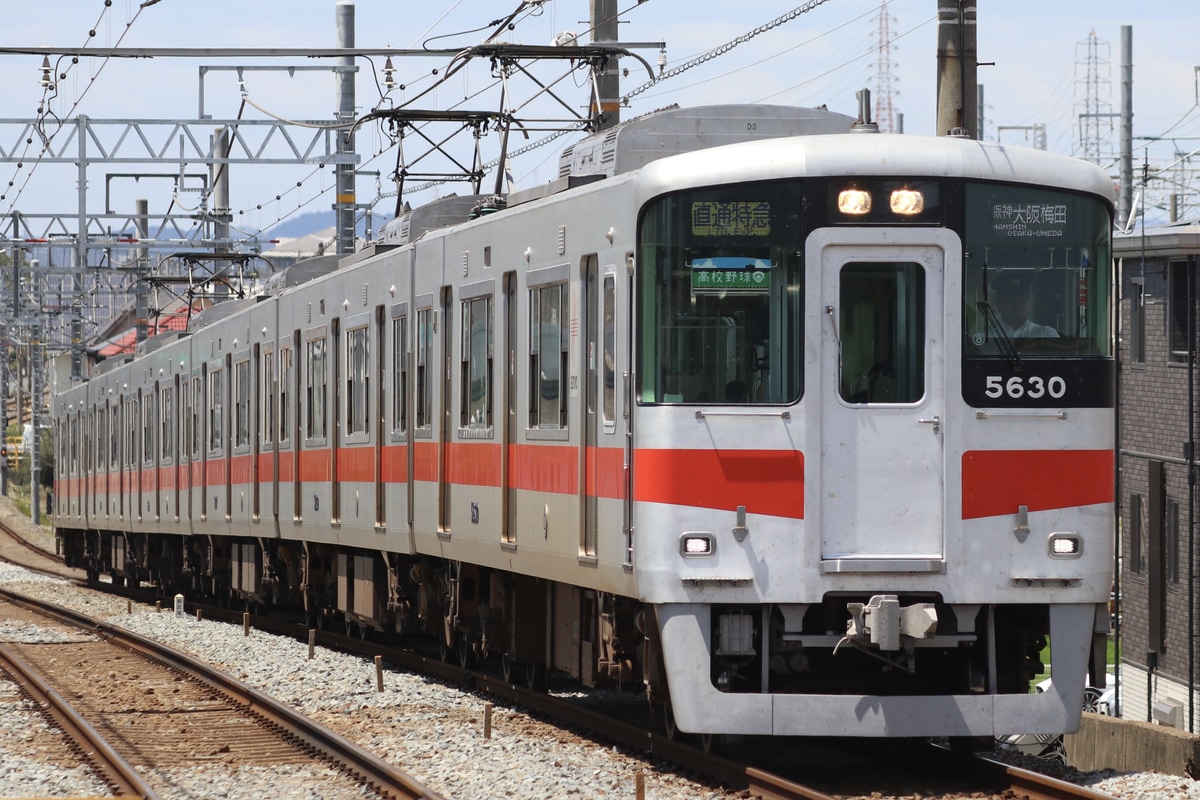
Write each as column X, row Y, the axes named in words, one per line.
column 1014, row 296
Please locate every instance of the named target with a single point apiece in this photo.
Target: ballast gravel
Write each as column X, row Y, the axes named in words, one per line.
column 433, row 732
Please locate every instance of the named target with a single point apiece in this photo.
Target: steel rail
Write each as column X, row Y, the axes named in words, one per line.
column 114, row 770
column 382, row 777
column 1036, row 786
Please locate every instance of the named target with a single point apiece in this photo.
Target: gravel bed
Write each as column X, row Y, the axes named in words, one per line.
column 433, row 732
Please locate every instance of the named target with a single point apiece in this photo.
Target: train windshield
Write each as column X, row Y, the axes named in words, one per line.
column 1038, row 272
column 721, row 296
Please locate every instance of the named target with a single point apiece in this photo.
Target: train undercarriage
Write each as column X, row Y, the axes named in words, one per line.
column 529, row 627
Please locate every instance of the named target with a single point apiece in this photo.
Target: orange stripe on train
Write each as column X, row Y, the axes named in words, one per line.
column 998, row 482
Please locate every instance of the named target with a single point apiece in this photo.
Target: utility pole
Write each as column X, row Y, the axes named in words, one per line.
column 608, row 82
column 344, row 76
column 956, row 68
column 1125, row 196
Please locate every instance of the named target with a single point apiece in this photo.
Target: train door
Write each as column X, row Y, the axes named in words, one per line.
column 379, row 428
column 883, row 397
column 589, row 304
column 254, row 412
column 447, row 422
column 508, row 417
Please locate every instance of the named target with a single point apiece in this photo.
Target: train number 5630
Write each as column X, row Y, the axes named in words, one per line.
column 1034, row 386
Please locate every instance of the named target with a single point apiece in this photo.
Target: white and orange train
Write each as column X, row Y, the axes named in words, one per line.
column 807, row 429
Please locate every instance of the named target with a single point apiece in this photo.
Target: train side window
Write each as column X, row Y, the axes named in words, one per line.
column 475, row 407
column 216, row 410
column 241, row 403
column 549, row 338
column 285, row 394
column 358, row 381
column 316, row 379
column 399, row 373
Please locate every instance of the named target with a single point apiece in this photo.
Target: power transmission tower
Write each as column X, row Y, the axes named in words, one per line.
column 885, row 80
column 1095, row 117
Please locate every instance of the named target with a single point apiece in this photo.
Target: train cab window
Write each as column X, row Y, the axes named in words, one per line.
column 721, row 296
column 881, row 328
column 475, row 408
column 1038, row 263
column 1036, row 294
column 358, row 381
column 549, row 339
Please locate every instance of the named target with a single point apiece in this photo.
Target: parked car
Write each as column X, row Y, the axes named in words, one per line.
column 1049, row 746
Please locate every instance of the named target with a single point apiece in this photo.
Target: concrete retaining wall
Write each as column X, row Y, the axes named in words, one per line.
column 1129, row 746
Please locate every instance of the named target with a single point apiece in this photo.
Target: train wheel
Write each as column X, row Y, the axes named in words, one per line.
column 509, row 668
column 669, row 728
column 536, row 679
column 443, row 649
column 466, row 653
column 710, row 743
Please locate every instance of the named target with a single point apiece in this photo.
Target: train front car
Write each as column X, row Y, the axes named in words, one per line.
column 873, row 434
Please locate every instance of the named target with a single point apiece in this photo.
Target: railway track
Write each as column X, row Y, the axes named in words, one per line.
column 163, row 713
column 741, row 775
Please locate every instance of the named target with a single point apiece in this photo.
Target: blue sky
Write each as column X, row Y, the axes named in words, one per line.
column 821, row 57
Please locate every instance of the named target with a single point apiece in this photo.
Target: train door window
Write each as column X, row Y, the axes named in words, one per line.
column 882, row 332
column 197, row 411
column 102, row 438
column 286, row 402
column 114, row 434
column 131, row 425
column 270, row 399
column 609, row 357
column 549, row 338
column 315, row 386
column 721, row 296
column 216, row 410
column 167, row 421
column 475, row 407
column 426, row 369
column 147, row 404
column 358, row 381
column 400, row 374
column 241, row 403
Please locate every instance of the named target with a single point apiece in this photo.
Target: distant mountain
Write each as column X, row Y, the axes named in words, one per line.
column 302, row 225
